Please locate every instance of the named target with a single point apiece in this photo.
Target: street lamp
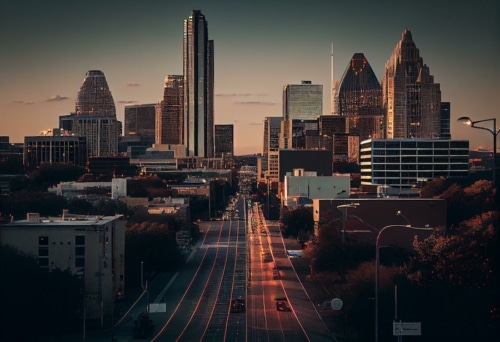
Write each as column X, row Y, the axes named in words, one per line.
column 467, row 121
column 344, row 217
column 399, row 213
column 377, row 258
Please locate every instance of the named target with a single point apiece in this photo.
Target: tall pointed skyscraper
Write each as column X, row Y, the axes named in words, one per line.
column 198, row 67
column 359, row 98
column 96, row 116
column 411, row 98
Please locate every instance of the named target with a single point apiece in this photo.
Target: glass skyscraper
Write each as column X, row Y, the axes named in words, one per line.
column 302, row 101
column 198, row 67
column 359, row 99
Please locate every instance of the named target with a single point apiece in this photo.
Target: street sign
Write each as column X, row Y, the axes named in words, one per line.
column 407, row 329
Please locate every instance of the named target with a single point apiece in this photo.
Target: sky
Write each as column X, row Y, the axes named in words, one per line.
column 260, row 46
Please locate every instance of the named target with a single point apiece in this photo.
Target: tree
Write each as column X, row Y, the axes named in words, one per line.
column 297, row 221
column 49, row 301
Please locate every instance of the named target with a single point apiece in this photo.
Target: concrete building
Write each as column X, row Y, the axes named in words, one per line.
column 401, row 163
column 95, row 117
column 302, row 187
column 363, row 218
column 92, row 247
column 54, row 149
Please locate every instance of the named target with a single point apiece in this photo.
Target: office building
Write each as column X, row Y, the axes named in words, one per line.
column 445, row 115
column 404, row 162
column 272, row 129
column 302, row 101
column 411, row 98
column 293, row 132
column 54, row 149
column 140, row 122
column 91, row 247
column 331, row 124
column 198, row 66
column 96, row 116
column 224, row 141
column 170, row 112
column 359, row 98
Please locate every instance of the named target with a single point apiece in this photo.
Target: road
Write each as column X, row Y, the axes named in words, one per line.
column 235, row 259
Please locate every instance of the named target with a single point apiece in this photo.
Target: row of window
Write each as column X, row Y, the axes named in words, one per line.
column 43, row 251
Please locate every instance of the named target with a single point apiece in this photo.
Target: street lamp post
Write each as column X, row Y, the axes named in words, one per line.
column 377, row 261
column 400, row 213
column 344, row 216
column 467, row 121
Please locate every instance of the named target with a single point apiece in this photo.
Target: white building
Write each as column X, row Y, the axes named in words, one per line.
column 302, row 187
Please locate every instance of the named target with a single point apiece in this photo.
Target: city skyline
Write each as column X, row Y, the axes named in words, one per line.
column 259, row 48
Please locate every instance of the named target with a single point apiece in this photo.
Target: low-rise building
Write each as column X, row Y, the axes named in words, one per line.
column 92, row 247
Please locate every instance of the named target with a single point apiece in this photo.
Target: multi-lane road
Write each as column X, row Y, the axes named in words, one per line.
column 237, row 285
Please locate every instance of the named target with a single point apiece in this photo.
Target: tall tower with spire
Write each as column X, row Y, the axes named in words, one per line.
column 198, row 67
column 411, row 98
column 96, row 116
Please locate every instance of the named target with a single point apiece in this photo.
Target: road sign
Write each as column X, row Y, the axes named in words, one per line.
column 407, row 329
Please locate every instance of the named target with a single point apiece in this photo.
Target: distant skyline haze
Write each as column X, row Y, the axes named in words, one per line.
column 260, row 46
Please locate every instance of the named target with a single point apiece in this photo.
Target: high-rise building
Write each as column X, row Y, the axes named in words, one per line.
column 272, row 129
column 330, row 124
column 140, row 121
column 170, row 112
column 359, row 99
column 445, row 121
column 293, row 132
column 96, row 116
column 411, row 98
column 302, row 101
column 224, row 141
column 198, row 66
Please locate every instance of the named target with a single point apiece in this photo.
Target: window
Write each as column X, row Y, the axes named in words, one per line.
column 80, row 240
column 43, row 251
column 43, row 240
column 79, row 251
column 79, row 262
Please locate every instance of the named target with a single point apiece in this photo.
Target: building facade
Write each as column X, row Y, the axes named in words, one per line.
column 405, row 162
column 170, row 112
column 198, row 66
column 224, row 141
column 359, row 98
column 411, row 98
column 96, row 116
column 54, row 149
column 302, row 101
column 91, row 247
column 140, row 122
